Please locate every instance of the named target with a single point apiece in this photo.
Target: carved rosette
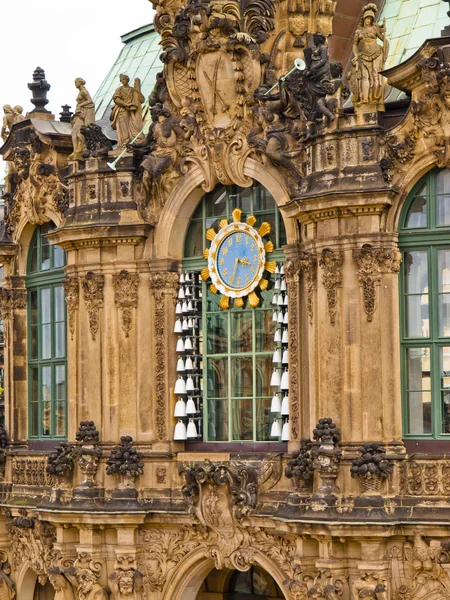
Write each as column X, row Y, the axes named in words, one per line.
column 162, row 285
column 331, row 262
column 72, row 292
column 292, row 271
column 371, row 263
column 93, row 284
column 126, row 297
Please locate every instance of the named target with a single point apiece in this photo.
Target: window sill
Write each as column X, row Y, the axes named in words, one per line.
column 45, row 445
column 236, row 446
column 427, row 446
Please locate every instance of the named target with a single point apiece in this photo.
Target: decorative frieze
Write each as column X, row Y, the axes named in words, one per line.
column 292, row 271
column 93, row 284
column 331, row 262
column 425, row 478
column 162, row 285
column 371, row 263
column 126, row 297
column 72, row 292
column 30, row 471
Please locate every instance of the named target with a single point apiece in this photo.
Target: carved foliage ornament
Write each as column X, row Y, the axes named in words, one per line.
column 93, row 284
column 126, row 296
column 292, row 270
column 72, row 292
column 84, row 577
column 163, row 285
column 331, row 262
column 371, row 263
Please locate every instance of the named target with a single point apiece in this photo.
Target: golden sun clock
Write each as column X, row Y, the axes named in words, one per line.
column 237, row 260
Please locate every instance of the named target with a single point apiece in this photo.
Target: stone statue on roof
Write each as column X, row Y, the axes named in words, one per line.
column 84, row 115
column 126, row 116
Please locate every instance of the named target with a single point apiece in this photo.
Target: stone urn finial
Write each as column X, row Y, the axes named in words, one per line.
column 301, row 469
column 88, row 452
column 125, row 463
column 327, row 454
column 39, row 88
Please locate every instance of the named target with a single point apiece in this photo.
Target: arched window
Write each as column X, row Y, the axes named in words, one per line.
column 425, row 307
column 236, row 346
column 47, row 345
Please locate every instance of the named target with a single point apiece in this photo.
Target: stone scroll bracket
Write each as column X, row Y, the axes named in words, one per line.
column 371, row 264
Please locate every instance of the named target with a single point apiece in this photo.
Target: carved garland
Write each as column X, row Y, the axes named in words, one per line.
column 161, row 284
column 93, row 284
column 308, row 267
column 292, row 270
column 331, row 262
column 371, row 262
column 72, row 292
column 126, row 297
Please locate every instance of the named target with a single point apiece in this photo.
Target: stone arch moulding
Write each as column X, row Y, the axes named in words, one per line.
column 26, row 582
column 187, row 578
column 50, row 215
column 185, row 196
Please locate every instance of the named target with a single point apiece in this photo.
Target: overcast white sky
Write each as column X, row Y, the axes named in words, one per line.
column 68, row 39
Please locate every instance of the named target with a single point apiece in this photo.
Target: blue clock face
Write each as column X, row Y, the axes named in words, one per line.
column 238, row 260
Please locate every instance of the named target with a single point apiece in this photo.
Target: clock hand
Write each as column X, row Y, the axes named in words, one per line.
column 236, row 262
column 244, row 261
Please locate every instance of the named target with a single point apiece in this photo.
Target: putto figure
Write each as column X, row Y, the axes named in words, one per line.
column 365, row 79
column 84, row 115
column 126, row 116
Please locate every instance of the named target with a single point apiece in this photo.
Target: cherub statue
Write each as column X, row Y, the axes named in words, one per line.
column 126, row 116
column 365, row 79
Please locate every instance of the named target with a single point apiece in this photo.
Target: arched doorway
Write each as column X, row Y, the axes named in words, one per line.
column 255, row 584
column 44, row 592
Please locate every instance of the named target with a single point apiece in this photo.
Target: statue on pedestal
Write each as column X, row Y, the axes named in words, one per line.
column 84, row 115
column 126, row 116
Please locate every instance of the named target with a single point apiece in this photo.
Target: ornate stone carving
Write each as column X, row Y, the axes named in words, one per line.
column 61, row 585
column 96, row 142
column 126, row 115
column 30, row 471
column 7, row 587
column 371, row 263
column 292, row 269
column 327, row 454
column 93, row 284
column 88, row 452
column 32, row 541
column 126, row 583
column 371, row 467
column 161, row 473
column 11, row 299
column 365, row 79
column 370, row 585
column 331, row 262
column 3, row 446
column 125, row 463
column 126, row 296
column 84, row 115
column 308, row 265
column 425, row 478
column 84, row 578
column 162, row 285
column 300, row 468
column 72, row 293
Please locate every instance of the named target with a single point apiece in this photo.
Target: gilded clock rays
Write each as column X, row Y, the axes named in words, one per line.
column 238, row 260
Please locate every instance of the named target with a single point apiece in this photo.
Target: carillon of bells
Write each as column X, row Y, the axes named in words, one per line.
column 279, row 406
column 188, row 386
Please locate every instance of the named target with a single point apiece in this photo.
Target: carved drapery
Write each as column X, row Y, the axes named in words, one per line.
column 93, row 284
column 331, row 262
column 163, row 285
column 72, row 292
column 292, row 272
column 371, row 263
column 126, row 297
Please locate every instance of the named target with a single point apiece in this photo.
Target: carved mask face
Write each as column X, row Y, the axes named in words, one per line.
column 126, row 583
column 86, row 580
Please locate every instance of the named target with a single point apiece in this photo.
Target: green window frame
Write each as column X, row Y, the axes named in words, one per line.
column 424, row 239
column 236, row 345
column 47, row 339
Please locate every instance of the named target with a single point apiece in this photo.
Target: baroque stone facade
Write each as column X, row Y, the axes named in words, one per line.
column 122, row 509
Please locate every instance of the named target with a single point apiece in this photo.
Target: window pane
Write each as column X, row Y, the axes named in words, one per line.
column 46, row 396
column 244, row 201
column 217, row 340
column 33, row 260
column 46, row 342
column 34, row 400
column 265, row 200
column 263, row 419
column 45, row 305
column 242, row 419
column 58, row 257
column 265, row 330
column 443, row 181
column 217, row 378
column 445, row 387
column 417, row 319
column 419, row 413
column 217, row 426
column 264, row 369
column 194, row 240
column 416, row 266
column 59, row 304
column 60, row 340
column 45, row 261
column 242, row 376
column 417, row 214
column 241, row 331
column 217, row 205
column 418, row 369
column 443, row 210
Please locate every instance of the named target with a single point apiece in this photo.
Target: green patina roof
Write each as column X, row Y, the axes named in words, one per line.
column 138, row 58
column 409, row 23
